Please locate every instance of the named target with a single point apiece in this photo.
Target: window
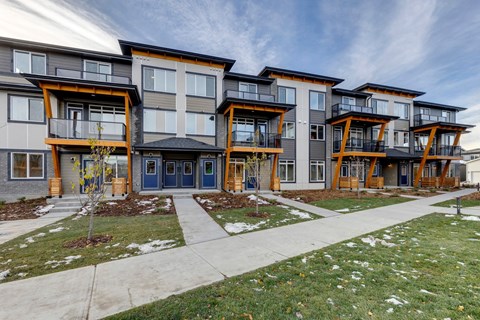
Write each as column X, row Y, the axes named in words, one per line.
column 447, row 115
column 317, row 100
column 160, row 80
column 288, row 130
column 208, row 168
column 170, row 169
column 286, row 95
column 348, row 100
column 357, row 168
column 159, row 121
column 29, row 62
column 202, row 124
column 119, row 167
column 380, row 106
column 112, row 119
column 355, row 138
column 401, row 138
column 317, row 132
column 95, row 70
column 287, row 170
column 200, row 85
column 375, row 133
column 424, row 111
column 317, row 171
column 401, row 110
column 151, row 167
column 237, row 168
column 27, row 165
column 247, row 87
column 26, row 109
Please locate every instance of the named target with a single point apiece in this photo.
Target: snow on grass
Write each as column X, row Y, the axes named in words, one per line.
column 471, row 218
column 238, row 227
column 41, row 210
column 112, row 203
column 253, row 197
column 335, row 267
column 32, row 238
column 283, row 206
column 4, row 274
column 152, row 246
column 427, row 292
column 396, row 300
column 390, row 310
column 56, row 230
column 300, row 214
column 343, row 210
column 65, row 261
column 168, row 203
column 449, row 215
column 373, row 241
column 351, row 244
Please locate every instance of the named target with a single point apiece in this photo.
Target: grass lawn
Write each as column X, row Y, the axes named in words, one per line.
column 237, row 220
column 347, row 205
column 35, row 254
column 430, row 273
column 453, row 202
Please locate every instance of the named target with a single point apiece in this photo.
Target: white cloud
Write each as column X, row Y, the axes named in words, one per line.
column 58, row 22
column 470, row 116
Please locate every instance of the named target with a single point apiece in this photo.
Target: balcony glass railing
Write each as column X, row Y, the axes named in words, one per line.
column 249, row 96
column 421, row 119
column 440, row 150
column 85, row 75
column 341, row 108
column 251, row 139
column 80, row 129
column 360, row 145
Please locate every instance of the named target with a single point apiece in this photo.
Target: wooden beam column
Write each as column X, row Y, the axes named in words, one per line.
column 128, row 137
column 276, row 156
column 228, row 149
column 49, row 113
column 447, row 164
column 342, row 151
column 370, row 172
column 425, row 156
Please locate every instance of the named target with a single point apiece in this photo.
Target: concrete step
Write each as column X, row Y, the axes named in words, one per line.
column 65, row 209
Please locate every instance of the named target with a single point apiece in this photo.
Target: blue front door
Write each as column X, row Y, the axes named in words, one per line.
column 170, row 174
column 151, row 173
column 207, row 167
column 188, row 174
column 403, row 174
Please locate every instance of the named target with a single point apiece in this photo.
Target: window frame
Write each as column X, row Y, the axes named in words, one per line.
column 404, row 134
column 10, row 106
column 405, row 116
column 290, row 88
column 317, row 163
column 149, row 109
column 85, row 61
column 317, row 126
column 287, row 162
column 30, row 53
column 206, row 96
column 165, row 70
column 375, row 107
column 351, row 98
column 248, row 84
column 27, row 177
column 310, row 100
column 205, row 117
column 284, row 130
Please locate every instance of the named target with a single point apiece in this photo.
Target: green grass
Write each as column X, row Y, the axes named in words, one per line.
column 279, row 215
column 434, row 253
column 354, row 204
column 125, row 230
column 453, row 202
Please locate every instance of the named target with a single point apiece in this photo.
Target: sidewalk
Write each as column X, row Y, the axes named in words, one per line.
column 96, row 292
column 300, row 205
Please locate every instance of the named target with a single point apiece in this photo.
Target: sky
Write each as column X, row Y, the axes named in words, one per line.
column 425, row 45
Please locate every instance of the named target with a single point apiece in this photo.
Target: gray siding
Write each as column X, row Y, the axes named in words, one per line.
column 208, row 140
column 317, row 150
column 68, row 174
column 160, row 100
column 290, row 116
column 121, row 69
column 401, row 125
column 317, row 117
column 6, row 58
column 230, row 85
column 149, row 137
column 288, row 146
column 200, row 104
column 62, row 61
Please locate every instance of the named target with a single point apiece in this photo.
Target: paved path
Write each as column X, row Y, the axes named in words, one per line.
column 196, row 224
column 95, row 292
column 300, row 205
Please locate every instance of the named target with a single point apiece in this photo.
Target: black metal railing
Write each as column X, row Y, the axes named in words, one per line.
column 81, row 129
column 440, row 150
column 342, row 108
column 360, row 145
column 93, row 76
column 252, row 139
column 249, row 96
column 421, row 119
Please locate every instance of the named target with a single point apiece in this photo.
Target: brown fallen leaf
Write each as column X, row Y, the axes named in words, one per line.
column 247, row 315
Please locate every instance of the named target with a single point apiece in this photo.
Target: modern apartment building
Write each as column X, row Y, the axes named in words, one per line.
column 180, row 119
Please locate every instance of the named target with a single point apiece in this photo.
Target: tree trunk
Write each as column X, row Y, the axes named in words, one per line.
column 90, row 224
column 256, row 186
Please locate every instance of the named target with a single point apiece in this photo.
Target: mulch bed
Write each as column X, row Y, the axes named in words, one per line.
column 308, row 196
column 225, row 200
column 21, row 210
column 136, row 205
column 83, row 242
column 414, row 192
column 472, row 196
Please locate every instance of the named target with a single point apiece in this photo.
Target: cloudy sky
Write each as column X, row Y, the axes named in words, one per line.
column 425, row 45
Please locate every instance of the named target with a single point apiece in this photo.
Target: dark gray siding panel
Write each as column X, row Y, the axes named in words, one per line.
column 290, row 115
column 160, row 100
column 288, row 146
column 123, row 70
column 200, row 104
column 63, row 61
column 317, row 117
column 317, row 150
column 264, row 89
column 6, row 59
column 402, row 125
column 230, row 85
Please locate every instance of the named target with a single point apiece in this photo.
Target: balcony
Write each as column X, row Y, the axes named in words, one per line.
column 251, row 140
column 421, row 119
column 440, row 150
column 248, row 96
column 360, row 145
column 83, row 130
column 341, row 108
column 92, row 76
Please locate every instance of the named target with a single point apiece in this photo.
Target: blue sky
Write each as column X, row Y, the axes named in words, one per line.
column 425, row 45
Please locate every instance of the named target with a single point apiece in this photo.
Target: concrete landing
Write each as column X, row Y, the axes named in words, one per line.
column 302, row 206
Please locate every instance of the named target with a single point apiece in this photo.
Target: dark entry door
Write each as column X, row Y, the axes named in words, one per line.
column 403, row 174
column 151, row 173
column 188, row 174
column 88, row 165
column 170, row 174
column 74, row 126
column 207, row 167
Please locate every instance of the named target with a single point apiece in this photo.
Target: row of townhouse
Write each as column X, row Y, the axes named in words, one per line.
column 183, row 120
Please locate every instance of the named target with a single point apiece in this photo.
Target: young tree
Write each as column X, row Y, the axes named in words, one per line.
column 90, row 178
column 357, row 161
column 253, row 168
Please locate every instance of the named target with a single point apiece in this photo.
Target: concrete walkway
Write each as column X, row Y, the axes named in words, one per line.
column 302, row 206
column 98, row 291
column 197, row 225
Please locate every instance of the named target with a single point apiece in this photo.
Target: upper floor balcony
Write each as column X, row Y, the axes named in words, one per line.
column 248, row 96
column 440, row 150
column 421, row 119
column 92, row 76
column 342, row 108
column 360, row 145
column 246, row 140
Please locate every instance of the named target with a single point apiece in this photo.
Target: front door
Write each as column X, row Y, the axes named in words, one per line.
column 74, row 126
column 262, row 134
column 403, row 174
column 151, row 174
column 170, row 174
column 207, row 166
column 88, row 168
column 188, row 174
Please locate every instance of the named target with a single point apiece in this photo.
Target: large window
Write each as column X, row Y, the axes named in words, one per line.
column 111, row 119
column 159, row 121
column 29, row 62
column 247, row 87
column 357, row 168
column 380, row 106
column 27, row 165
column 401, row 110
column 317, row 100
column 349, row 100
column 317, row 132
column 288, row 130
column 287, row 170
column 286, row 95
column 375, row 133
column 160, row 80
column 200, row 85
column 401, row 138
column 448, row 116
column 26, row 109
column 355, row 138
column 118, row 166
column 201, row 124
column 317, row 171
column 96, row 70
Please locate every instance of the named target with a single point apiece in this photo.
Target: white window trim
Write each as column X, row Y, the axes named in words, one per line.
column 284, row 132
column 323, row 132
column 163, row 69
column 286, row 163
column 317, row 93
column 317, row 163
column 354, row 100
column 97, row 62
column 10, row 105
column 248, row 84
column 28, row 166
column 201, row 75
column 29, row 60
column 286, row 89
column 407, row 106
column 376, row 107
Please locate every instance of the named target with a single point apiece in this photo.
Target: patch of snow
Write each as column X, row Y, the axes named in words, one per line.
column 354, row 277
column 453, row 223
column 126, row 255
column 56, row 230
column 144, row 203
column 4, row 274
column 29, row 240
column 283, row 206
column 372, row 242
column 219, row 216
column 390, row 310
column 22, row 246
column 330, row 301
column 473, row 239
column 328, row 256
column 387, row 237
column 394, row 301
column 115, row 245
column 427, row 292
column 22, row 266
column 343, row 210
column 335, row 267
column 449, row 215
column 238, row 227
column 304, row 259
column 252, row 197
column 300, row 214
column 364, row 264
column 66, row 260
column 152, row 246
column 471, row 218
column 112, row 203
column 351, row 244
column 6, row 262
column 461, row 263
column 40, row 211
column 339, row 287
column 270, row 276
column 168, row 203
column 22, row 274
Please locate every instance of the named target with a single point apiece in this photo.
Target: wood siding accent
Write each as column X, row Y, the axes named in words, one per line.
column 200, row 105
column 317, row 150
column 160, row 100
column 150, row 137
column 6, row 59
column 288, row 146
